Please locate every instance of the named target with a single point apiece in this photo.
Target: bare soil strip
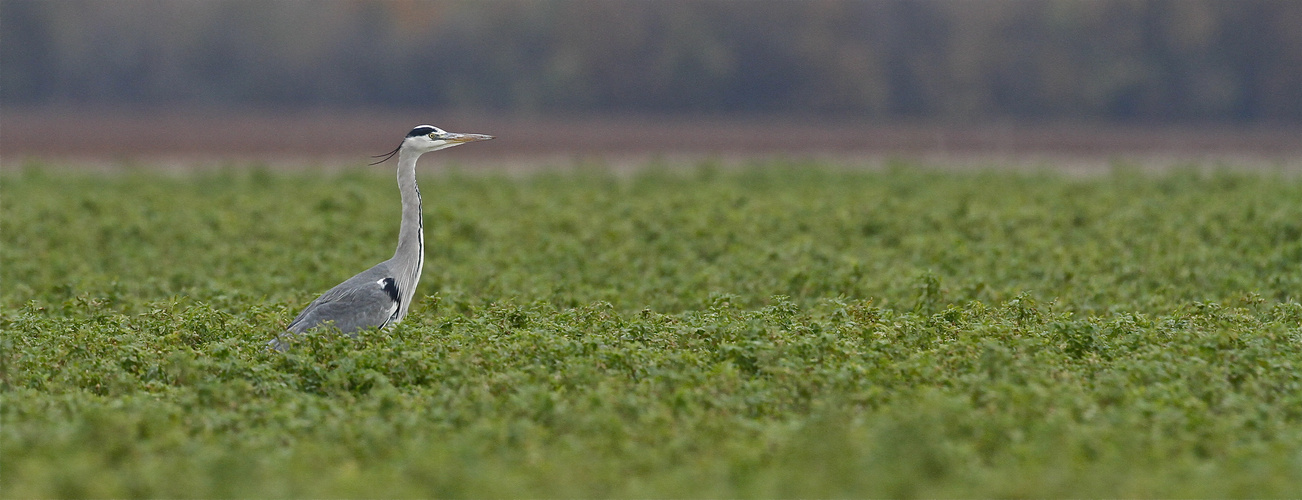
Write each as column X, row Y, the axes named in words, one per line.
column 196, row 138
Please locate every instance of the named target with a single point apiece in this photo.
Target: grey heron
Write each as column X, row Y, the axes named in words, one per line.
column 381, row 296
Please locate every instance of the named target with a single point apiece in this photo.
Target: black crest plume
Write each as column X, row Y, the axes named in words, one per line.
column 385, row 157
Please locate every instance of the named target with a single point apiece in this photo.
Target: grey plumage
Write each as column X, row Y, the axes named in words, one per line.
column 381, row 296
column 360, row 302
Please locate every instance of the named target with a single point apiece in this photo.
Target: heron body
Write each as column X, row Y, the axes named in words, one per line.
column 381, row 296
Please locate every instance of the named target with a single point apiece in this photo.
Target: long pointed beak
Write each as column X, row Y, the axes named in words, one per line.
column 464, row 138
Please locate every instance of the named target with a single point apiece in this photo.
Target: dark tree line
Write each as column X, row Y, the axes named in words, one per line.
column 1155, row 60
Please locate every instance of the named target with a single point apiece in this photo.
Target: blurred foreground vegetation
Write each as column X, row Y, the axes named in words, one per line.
column 787, row 330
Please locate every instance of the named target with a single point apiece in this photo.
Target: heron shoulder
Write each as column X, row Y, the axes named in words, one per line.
column 367, row 295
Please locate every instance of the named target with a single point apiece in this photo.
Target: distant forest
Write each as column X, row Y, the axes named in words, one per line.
column 1150, row 61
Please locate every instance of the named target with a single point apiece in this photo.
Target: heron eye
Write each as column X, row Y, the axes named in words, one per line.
column 434, row 136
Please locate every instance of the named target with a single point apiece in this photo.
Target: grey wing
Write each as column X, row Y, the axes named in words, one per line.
column 367, row 300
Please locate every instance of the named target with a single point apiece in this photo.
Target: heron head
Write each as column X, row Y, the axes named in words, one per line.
column 426, row 138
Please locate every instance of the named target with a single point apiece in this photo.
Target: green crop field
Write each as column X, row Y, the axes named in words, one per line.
column 776, row 330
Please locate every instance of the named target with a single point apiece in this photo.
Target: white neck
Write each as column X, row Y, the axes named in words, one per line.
column 409, row 258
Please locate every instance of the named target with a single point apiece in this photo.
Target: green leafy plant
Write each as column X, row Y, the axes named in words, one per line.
column 779, row 330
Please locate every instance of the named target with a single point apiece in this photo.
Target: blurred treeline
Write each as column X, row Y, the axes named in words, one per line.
column 1148, row 61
